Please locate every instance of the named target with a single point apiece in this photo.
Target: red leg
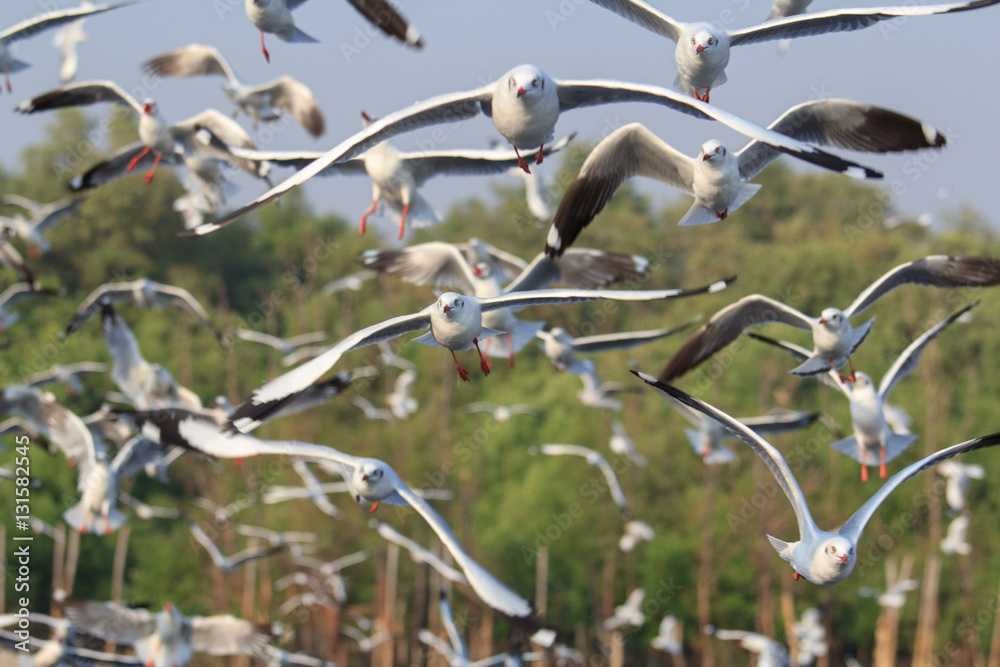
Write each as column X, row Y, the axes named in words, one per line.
column 520, row 161
column 6, row 78
column 484, row 363
column 850, row 365
column 462, row 373
column 364, row 218
column 881, row 463
column 796, row 576
column 263, row 49
column 138, row 156
column 723, row 215
column 152, row 172
column 374, row 507
column 510, row 351
column 541, row 154
column 864, row 465
column 402, row 221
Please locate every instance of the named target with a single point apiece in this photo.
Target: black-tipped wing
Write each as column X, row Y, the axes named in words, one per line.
column 436, row 263
column 388, row 20
column 117, row 165
column 190, row 60
column 725, row 326
column 80, row 94
column 624, row 340
column 581, row 268
column 934, row 270
column 553, row 296
column 35, row 25
column 844, row 124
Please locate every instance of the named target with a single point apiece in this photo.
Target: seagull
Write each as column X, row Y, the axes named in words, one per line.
column 66, row 40
column 68, row 375
column 502, row 413
column 237, row 560
column 707, row 435
column 275, row 537
column 145, row 385
column 365, row 644
column 315, row 489
column 868, row 412
column 811, row 635
column 400, row 402
column 353, row 282
column 629, row 613
column 458, row 654
column 397, row 176
column 146, row 294
column 635, row 533
column 167, row 638
column 156, row 138
column 954, row 542
column 597, row 393
column 43, row 218
column 13, row 295
column 702, row 50
column 525, row 105
column 958, row 475
column 279, row 494
column 769, row 652
column 263, row 102
column 821, row 557
column 55, row 422
column 895, row 597
column 669, row 637
column 561, row 348
column 597, row 460
column 146, row 512
column 277, row 657
column 275, row 16
column 446, row 265
column 332, row 579
column 307, row 600
column 418, row 553
column 455, row 322
column 25, row 29
column 284, row 346
column 55, row 653
column 717, row 176
column 11, row 258
column 834, row 338
column 622, row 445
column 374, row 481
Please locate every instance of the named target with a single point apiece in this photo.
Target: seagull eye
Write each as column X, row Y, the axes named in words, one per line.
column 692, row 40
column 711, row 40
column 534, row 82
column 512, row 83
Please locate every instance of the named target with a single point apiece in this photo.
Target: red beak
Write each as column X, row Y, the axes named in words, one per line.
column 147, row 108
column 822, row 320
column 843, row 559
column 477, row 272
column 447, row 308
column 520, row 91
column 364, row 477
column 706, row 157
column 169, row 606
column 366, row 117
column 698, row 49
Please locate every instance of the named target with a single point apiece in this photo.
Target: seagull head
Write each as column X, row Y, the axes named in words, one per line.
column 526, row 81
column 833, row 561
column 862, row 381
column 711, row 150
column 448, row 302
column 703, row 40
column 832, row 319
column 482, row 270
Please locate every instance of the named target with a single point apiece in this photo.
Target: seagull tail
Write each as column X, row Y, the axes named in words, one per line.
column 784, row 549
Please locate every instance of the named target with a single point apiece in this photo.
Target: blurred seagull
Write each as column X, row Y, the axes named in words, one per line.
column 418, row 553
column 43, row 218
column 561, row 348
column 629, row 613
column 769, row 652
column 622, row 445
column 284, row 346
column 823, row 558
column 68, row 375
column 635, row 533
column 702, row 50
column 893, row 598
column 237, row 560
column 955, row 541
column 958, row 475
column 669, row 637
column 502, row 413
column 263, row 102
column 595, row 459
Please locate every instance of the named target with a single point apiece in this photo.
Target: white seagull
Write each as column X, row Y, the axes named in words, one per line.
column 525, row 105
column 595, row 459
column 834, row 338
column 873, row 439
column 13, row 295
column 264, row 102
column 629, row 613
column 167, row 638
column 43, row 218
column 635, row 533
column 622, row 445
column 207, row 135
column 66, row 40
column 821, row 557
column 374, row 481
column 418, row 553
column 284, row 346
column 702, row 49
column 502, row 413
column 669, row 637
column 717, row 176
column 237, row 560
column 769, row 652
column 955, row 541
column 58, row 424
column 895, row 597
column 707, row 436
column 25, row 29
column 561, row 348
column 275, row 16
column 399, row 400
column 958, row 475
column 68, row 375
column 455, row 322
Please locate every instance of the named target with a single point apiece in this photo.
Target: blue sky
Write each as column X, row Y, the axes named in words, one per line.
column 933, row 68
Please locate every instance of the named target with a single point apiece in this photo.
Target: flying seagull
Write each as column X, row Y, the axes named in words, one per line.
column 717, row 176
column 525, row 105
column 597, row 460
column 455, row 322
column 834, row 338
column 263, row 102
column 702, row 50
column 821, row 557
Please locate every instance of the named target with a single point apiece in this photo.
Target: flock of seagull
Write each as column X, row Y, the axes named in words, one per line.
column 480, row 290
